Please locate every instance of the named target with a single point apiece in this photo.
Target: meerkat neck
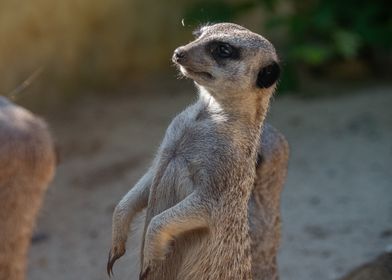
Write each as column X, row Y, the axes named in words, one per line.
column 244, row 112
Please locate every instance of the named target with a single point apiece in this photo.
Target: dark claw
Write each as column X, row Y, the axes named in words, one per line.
column 114, row 254
column 145, row 273
column 111, row 261
column 109, row 266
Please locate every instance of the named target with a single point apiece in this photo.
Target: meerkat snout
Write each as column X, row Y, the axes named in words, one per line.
column 230, row 57
column 178, row 55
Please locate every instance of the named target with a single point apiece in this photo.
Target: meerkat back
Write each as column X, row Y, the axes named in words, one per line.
column 27, row 164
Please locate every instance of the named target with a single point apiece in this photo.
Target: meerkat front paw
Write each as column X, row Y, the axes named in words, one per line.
column 156, row 252
column 116, row 252
column 157, row 242
column 144, row 273
column 151, row 254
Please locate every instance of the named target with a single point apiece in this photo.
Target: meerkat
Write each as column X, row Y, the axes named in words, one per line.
column 198, row 187
column 27, row 165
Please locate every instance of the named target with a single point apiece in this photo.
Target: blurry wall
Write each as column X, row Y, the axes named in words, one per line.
column 85, row 42
column 79, row 45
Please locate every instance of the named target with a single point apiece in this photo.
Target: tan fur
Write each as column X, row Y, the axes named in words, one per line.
column 264, row 209
column 264, row 204
column 198, row 188
column 27, row 164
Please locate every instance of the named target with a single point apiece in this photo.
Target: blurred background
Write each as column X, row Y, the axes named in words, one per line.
column 100, row 46
column 100, row 73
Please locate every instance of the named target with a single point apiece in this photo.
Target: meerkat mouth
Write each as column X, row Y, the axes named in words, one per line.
column 191, row 73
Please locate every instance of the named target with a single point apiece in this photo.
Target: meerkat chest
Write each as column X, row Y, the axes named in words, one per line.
column 198, row 143
column 198, row 150
column 188, row 150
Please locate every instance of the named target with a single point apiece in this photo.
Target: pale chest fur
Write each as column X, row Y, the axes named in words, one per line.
column 199, row 152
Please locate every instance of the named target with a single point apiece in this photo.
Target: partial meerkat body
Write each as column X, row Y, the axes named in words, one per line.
column 263, row 207
column 198, row 188
column 378, row 269
column 264, row 204
column 27, row 164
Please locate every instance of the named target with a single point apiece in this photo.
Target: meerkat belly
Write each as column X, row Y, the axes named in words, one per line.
column 171, row 185
column 192, row 155
column 188, row 152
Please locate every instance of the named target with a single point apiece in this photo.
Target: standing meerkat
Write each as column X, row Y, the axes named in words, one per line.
column 27, row 165
column 198, row 187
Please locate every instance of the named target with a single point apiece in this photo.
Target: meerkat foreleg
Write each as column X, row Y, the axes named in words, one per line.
column 131, row 204
column 189, row 214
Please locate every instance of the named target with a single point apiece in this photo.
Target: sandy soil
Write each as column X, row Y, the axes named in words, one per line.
column 337, row 202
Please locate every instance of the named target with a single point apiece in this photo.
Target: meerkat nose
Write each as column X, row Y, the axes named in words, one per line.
column 179, row 55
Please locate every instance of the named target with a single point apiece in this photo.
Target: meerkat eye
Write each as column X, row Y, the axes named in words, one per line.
column 224, row 50
column 220, row 50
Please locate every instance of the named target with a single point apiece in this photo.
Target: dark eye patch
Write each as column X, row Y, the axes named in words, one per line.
column 221, row 50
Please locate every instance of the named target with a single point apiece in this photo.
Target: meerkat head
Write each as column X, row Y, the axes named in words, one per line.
column 226, row 57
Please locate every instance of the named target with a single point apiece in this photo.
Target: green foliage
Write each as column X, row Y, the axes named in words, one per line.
column 216, row 11
column 343, row 28
column 316, row 32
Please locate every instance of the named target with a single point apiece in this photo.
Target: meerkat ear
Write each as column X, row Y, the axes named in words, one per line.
column 268, row 75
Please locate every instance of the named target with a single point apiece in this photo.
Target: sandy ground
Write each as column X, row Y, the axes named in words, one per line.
column 337, row 202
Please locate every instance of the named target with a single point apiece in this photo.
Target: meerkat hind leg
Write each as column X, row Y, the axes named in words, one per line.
column 131, row 204
column 189, row 214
